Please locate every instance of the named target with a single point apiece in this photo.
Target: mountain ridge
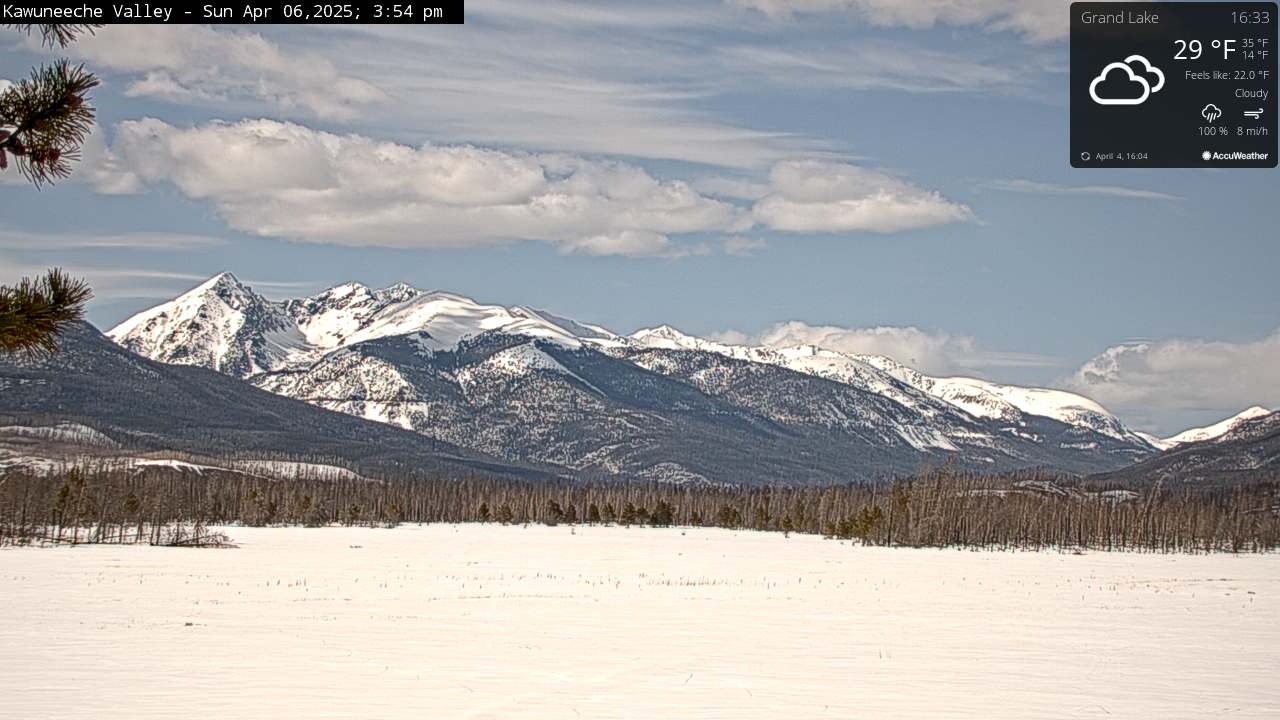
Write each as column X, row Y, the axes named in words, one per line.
column 530, row 386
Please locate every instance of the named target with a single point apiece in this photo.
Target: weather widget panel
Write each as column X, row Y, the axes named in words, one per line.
column 1172, row 84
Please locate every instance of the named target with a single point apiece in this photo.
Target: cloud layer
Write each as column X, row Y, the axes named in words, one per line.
column 282, row 179
column 538, row 73
column 1184, row 376
column 285, row 180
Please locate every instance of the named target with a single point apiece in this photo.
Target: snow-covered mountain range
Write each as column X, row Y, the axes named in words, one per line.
column 526, row 385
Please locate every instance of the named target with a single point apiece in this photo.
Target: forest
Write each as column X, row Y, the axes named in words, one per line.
column 936, row 508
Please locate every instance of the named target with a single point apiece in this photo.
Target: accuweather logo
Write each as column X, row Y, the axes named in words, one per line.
column 1209, row 156
column 1141, row 80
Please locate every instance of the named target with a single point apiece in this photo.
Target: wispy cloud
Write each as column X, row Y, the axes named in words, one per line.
column 740, row 246
column 870, row 65
column 602, row 78
column 34, row 241
column 1043, row 188
column 1036, row 20
column 114, row 282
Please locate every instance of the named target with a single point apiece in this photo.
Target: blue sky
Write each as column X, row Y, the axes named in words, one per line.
column 872, row 175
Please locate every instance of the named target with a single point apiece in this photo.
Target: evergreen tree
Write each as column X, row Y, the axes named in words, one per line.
column 760, row 518
column 34, row 312
column 663, row 514
column 628, row 516
column 45, row 118
column 395, row 514
column 43, row 123
column 554, row 513
column 505, row 515
column 593, row 513
column 483, row 513
column 728, row 517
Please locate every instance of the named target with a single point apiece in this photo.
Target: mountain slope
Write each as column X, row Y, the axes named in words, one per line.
column 140, row 404
column 531, row 387
column 1210, row 432
column 1250, row 448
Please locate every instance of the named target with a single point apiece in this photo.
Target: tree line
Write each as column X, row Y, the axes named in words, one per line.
column 937, row 508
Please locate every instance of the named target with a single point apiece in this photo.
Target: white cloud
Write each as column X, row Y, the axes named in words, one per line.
column 284, row 180
column 203, row 65
column 280, row 179
column 1041, row 188
column 740, row 246
column 929, row 352
column 1212, row 378
column 631, row 243
column 1037, row 20
column 815, row 196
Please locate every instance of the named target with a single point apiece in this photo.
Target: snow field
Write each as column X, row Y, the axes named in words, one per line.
column 485, row 621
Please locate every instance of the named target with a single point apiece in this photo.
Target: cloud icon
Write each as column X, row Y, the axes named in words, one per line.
column 1211, row 112
column 1133, row 88
column 1148, row 71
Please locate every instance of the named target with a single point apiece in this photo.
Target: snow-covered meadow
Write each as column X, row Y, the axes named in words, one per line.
column 485, row 621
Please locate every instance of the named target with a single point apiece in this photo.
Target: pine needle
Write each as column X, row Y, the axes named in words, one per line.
column 35, row 311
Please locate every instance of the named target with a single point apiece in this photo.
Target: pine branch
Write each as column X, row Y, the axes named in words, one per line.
column 45, row 119
column 34, row 312
column 60, row 35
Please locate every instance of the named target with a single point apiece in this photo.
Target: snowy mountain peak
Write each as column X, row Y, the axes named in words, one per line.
column 661, row 332
column 399, row 292
column 220, row 324
column 222, row 282
column 1214, row 431
column 666, row 337
column 223, row 325
column 345, row 291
